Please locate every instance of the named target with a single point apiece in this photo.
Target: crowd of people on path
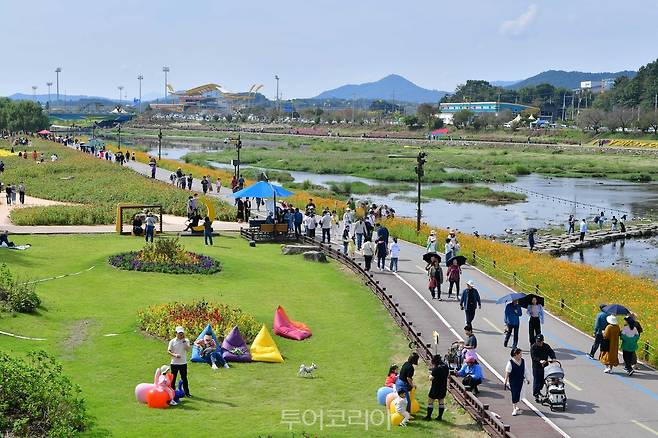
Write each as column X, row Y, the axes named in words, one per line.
column 607, row 338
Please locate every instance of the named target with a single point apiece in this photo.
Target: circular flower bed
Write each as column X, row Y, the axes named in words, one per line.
column 198, row 264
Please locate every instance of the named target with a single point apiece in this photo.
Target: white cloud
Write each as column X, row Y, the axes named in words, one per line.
column 520, row 24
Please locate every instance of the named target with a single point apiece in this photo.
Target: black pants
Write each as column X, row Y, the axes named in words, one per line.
column 183, row 376
column 582, row 236
column 470, row 315
column 534, row 326
column 311, row 232
column 629, row 359
column 368, row 260
column 512, row 329
column 298, row 230
column 21, row 197
column 326, row 233
column 537, row 380
column 598, row 337
column 456, row 283
column 471, row 382
column 381, row 262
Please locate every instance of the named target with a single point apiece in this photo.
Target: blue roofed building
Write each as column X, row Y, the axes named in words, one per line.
column 450, row 108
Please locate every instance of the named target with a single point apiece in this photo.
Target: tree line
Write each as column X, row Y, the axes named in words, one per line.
column 22, row 115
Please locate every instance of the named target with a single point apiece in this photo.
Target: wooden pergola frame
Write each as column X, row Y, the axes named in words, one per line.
column 125, row 206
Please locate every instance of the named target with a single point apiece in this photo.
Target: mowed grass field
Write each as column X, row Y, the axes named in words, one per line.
column 354, row 341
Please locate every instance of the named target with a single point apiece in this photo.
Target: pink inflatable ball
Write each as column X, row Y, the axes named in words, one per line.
column 142, row 390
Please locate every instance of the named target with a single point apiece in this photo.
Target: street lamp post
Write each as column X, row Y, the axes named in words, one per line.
column 278, row 106
column 120, row 87
column 49, row 84
column 34, row 92
column 57, row 72
column 238, row 146
column 160, row 145
column 165, row 69
column 119, row 131
column 420, row 172
column 139, row 78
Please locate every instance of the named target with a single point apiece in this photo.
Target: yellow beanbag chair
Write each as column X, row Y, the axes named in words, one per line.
column 263, row 349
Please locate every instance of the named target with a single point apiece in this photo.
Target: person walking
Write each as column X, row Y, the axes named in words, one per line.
column 150, row 226
column 513, row 314
column 610, row 344
column 515, row 375
column 583, row 229
column 381, row 252
column 405, row 381
column 531, row 238
column 311, row 224
column 204, row 185
column 359, row 231
column 435, row 274
column 153, row 164
column 470, row 301
column 541, row 354
column 599, row 325
column 21, row 193
column 368, row 252
column 431, row 242
column 395, row 254
column 571, row 223
column 299, row 218
column 177, row 349
column 629, row 338
column 218, row 185
column 13, row 193
column 535, row 319
column 454, row 274
column 207, row 231
column 189, row 181
column 8, row 193
column 613, row 223
column 439, row 387
column 325, row 223
column 345, row 239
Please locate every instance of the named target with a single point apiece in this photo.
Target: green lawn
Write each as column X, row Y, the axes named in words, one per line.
column 354, row 339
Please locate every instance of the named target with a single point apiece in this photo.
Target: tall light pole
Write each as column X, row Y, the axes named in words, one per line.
column 139, row 78
column 57, row 72
column 49, row 84
column 277, row 95
column 34, row 92
column 120, row 87
column 420, row 172
column 165, row 69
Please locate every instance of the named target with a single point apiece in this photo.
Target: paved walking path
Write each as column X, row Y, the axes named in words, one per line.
column 598, row 404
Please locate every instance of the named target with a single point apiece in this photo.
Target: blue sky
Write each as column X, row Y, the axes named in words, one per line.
column 312, row 45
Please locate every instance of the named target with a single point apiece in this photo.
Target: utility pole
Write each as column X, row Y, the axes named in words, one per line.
column 119, row 130
column 564, row 105
column 139, row 109
column 353, row 108
column 165, row 69
column 160, row 145
column 120, row 87
column 420, row 172
column 34, row 92
column 57, row 72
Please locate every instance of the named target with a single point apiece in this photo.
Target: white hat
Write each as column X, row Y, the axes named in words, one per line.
column 164, row 369
column 470, row 283
column 612, row 319
column 180, row 329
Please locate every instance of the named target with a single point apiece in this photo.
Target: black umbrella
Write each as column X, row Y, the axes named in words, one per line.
column 527, row 300
column 616, row 309
column 461, row 260
column 428, row 257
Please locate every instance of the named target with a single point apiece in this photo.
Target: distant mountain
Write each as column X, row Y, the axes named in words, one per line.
column 388, row 88
column 567, row 79
column 503, row 83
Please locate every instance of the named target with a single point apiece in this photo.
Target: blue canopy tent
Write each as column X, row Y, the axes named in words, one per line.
column 263, row 189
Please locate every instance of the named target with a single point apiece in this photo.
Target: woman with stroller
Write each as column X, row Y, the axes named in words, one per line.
column 515, row 376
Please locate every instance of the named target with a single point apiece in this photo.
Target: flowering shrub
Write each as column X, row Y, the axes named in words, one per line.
column 167, row 256
column 161, row 320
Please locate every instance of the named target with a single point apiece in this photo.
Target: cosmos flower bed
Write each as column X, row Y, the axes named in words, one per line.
column 167, row 256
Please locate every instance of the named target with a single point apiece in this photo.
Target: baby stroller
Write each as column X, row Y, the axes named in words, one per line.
column 454, row 356
column 554, row 395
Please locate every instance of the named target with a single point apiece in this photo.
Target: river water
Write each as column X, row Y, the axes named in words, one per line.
column 549, row 203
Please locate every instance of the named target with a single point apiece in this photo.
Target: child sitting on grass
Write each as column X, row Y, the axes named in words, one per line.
column 392, row 376
column 400, row 403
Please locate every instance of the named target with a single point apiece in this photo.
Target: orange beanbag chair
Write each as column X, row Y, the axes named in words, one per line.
column 285, row 327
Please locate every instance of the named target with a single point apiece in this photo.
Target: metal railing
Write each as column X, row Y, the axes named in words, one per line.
column 478, row 410
column 555, row 304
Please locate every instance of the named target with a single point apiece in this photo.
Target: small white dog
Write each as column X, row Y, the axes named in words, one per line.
column 305, row 371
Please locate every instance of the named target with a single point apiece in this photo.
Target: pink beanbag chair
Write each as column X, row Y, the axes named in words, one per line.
column 287, row 328
column 235, row 348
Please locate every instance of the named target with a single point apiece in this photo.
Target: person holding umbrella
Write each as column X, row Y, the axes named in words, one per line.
column 454, row 274
column 435, row 274
column 513, row 314
column 470, row 300
column 535, row 317
column 610, row 344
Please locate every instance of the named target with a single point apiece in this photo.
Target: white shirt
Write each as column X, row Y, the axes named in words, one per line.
column 178, row 346
column 400, row 404
column 583, row 227
column 310, row 222
column 326, row 221
column 395, row 250
column 368, row 249
column 359, row 228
